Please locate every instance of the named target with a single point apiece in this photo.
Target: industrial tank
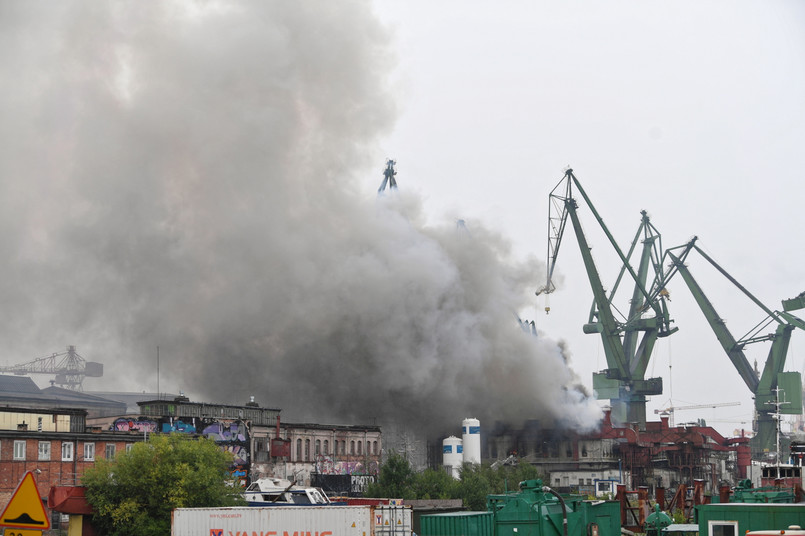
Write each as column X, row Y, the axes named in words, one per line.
column 452, row 456
column 471, row 438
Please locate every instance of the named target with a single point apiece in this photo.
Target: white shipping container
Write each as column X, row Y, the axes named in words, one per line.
column 293, row 521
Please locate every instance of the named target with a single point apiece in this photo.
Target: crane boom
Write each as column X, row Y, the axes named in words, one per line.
column 70, row 369
column 623, row 382
column 764, row 388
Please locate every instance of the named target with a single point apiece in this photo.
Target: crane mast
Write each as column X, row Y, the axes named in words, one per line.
column 388, row 177
column 627, row 342
column 765, row 387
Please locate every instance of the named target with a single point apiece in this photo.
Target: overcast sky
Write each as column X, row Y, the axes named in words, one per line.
column 693, row 111
column 202, row 177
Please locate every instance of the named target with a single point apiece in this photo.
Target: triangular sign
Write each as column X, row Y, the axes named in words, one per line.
column 25, row 510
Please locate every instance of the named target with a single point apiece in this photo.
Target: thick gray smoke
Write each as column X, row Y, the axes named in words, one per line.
column 190, row 176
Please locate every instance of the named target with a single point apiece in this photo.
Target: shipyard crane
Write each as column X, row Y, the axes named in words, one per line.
column 765, row 387
column 388, row 177
column 671, row 409
column 69, row 367
column 623, row 382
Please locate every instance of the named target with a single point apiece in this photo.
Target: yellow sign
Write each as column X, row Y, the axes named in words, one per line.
column 25, row 510
column 22, row 532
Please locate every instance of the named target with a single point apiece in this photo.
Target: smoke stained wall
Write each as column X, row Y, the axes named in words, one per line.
column 190, row 176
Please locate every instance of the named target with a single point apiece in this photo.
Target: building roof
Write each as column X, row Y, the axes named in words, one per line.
column 21, row 391
column 17, row 384
column 131, row 399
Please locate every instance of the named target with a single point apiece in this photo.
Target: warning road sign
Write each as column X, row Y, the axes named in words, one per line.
column 22, row 532
column 25, row 510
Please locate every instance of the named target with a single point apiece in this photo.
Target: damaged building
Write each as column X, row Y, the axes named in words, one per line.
column 659, row 456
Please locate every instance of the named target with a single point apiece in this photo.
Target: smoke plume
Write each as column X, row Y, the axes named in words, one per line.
column 192, row 176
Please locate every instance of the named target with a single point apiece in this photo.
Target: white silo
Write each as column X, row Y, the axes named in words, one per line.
column 452, row 456
column 471, row 439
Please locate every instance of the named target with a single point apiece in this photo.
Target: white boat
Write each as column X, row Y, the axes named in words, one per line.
column 283, row 492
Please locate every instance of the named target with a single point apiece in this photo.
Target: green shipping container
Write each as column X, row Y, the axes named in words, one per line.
column 457, row 524
column 735, row 519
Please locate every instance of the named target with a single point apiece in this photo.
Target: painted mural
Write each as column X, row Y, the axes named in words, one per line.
column 231, row 436
column 226, row 431
column 325, row 465
column 134, row 425
column 178, row 426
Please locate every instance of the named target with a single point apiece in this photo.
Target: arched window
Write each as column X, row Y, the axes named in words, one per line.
column 360, row 447
column 318, row 447
column 352, row 447
column 298, row 449
column 326, row 445
column 307, row 449
column 374, row 448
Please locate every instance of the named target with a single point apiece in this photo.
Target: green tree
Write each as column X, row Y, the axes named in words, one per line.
column 508, row 477
column 474, row 487
column 435, row 484
column 396, row 479
column 478, row 481
column 135, row 493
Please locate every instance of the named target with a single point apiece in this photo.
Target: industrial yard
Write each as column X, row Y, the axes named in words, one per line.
column 519, row 269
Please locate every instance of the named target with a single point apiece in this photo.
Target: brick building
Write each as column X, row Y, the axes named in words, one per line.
column 345, row 456
column 55, row 445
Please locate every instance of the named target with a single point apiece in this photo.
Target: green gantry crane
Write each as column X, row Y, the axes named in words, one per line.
column 773, row 380
column 628, row 340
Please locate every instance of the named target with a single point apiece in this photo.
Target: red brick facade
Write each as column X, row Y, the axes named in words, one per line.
column 54, row 445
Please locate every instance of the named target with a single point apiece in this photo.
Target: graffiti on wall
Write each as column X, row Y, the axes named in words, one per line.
column 133, row 425
column 231, row 436
column 226, row 431
column 325, row 465
column 239, row 453
column 178, row 426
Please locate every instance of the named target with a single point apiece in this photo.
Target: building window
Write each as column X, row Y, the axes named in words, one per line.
column 722, row 528
column 318, row 447
column 66, row 451
column 129, row 447
column 360, row 447
column 307, row 449
column 352, row 447
column 19, row 450
column 374, row 448
column 326, row 447
column 89, row 452
column 298, row 450
column 44, row 450
column 110, row 451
